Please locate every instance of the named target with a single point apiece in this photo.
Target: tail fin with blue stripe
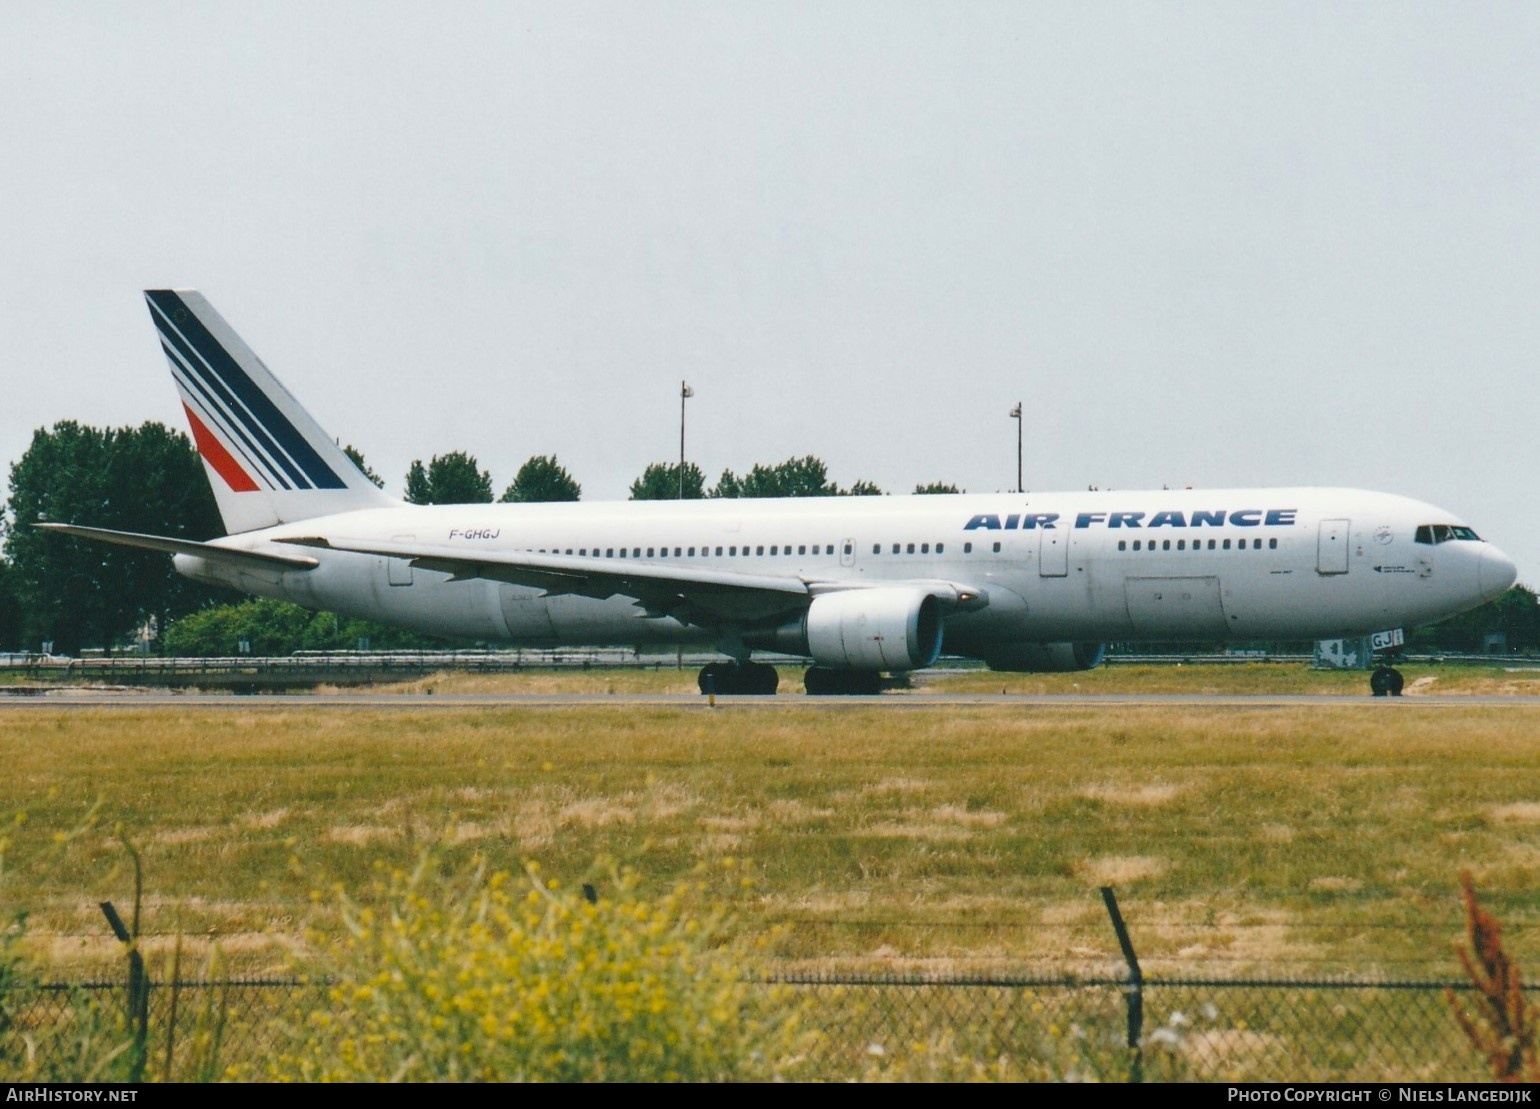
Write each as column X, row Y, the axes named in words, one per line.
column 268, row 461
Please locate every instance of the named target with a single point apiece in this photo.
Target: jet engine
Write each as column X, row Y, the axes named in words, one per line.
column 1047, row 658
column 864, row 629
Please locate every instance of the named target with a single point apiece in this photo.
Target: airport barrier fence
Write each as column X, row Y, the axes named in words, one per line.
column 350, row 668
column 1012, row 1026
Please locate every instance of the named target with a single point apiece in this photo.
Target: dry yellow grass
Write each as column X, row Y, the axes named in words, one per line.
column 1316, row 839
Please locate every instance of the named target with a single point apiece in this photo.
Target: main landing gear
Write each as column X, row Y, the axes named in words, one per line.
column 824, row 681
column 758, row 678
column 1386, row 681
column 738, row 677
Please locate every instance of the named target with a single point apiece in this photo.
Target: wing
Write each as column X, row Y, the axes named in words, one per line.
column 704, row 597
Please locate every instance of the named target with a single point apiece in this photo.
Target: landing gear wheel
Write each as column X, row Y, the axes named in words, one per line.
column 1386, row 681
column 759, row 678
column 738, row 677
column 824, row 681
column 715, row 677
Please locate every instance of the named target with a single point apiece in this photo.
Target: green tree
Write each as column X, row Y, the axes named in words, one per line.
column 864, row 489
column 936, row 487
column 356, row 456
column 660, row 482
column 82, row 594
column 542, row 479
column 1516, row 614
column 452, row 478
column 270, row 627
column 10, row 610
column 796, row 477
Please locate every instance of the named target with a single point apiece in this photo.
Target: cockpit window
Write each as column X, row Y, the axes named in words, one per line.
column 1443, row 533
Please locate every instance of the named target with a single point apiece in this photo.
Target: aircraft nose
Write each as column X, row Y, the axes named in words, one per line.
column 1495, row 573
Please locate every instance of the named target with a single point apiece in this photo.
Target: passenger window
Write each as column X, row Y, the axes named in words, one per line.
column 730, row 550
column 895, row 548
column 967, row 548
column 911, row 549
column 1122, row 544
column 719, row 551
column 1227, row 544
column 609, row 552
column 802, row 550
column 649, row 552
column 1211, row 544
column 1165, row 544
column 692, row 552
column 1181, row 544
column 1272, row 544
column 759, row 550
column 1256, row 544
column 1138, row 544
column 775, row 549
column 925, row 548
column 941, row 548
column 997, row 546
column 676, row 552
column 622, row 552
column 876, row 548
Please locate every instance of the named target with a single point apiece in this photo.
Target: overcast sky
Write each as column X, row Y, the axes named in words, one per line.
column 1206, row 244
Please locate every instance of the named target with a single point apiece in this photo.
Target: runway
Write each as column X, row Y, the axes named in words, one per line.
column 133, row 700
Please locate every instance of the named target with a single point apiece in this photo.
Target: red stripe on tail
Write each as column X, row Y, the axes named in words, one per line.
column 214, row 453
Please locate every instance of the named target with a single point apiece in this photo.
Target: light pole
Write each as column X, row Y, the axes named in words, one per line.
column 1016, row 415
column 685, row 393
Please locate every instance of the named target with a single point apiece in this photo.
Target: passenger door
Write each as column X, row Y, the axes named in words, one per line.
column 1332, row 547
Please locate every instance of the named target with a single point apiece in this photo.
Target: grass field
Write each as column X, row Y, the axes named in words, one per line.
column 1314, row 840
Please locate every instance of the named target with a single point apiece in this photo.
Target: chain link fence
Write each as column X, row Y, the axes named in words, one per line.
column 1027, row 1027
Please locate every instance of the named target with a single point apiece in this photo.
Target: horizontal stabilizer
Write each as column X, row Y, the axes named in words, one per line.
column 229, row 555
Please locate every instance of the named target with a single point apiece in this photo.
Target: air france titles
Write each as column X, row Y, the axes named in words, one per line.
column 1198, row 518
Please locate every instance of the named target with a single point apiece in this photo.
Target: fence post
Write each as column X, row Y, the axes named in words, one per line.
column 138, row 991
column 1134, row 991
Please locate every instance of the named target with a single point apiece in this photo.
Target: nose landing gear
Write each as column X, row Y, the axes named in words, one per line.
column 1386, row 681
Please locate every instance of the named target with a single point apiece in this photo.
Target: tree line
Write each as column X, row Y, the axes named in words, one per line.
column 456, row 478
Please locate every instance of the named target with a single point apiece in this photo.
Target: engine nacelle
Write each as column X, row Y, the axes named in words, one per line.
column 864, row 629
column 1047, row 658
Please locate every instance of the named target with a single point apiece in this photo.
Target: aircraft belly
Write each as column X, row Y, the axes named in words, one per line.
column 358, row 585
column 615, row 621
column 526, row 616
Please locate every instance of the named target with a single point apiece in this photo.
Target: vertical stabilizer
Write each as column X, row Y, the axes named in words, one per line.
column 268, row 461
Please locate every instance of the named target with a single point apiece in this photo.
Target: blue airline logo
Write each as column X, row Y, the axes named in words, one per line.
column 1198, row 518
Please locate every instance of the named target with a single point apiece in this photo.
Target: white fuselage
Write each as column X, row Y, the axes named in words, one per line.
column 1210, row 565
